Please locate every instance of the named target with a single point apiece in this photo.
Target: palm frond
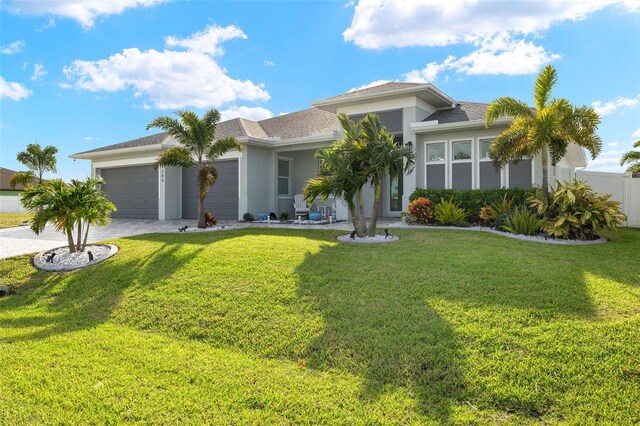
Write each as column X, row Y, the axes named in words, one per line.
column 511, row 144
column 222, row 146
column 547, row 78
column 506, row 107
column 178, row 156
column 630, row 157
column 22, row 178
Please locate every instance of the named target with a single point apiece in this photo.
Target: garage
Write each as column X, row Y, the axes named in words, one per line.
column 222, row 198
column 134, row 191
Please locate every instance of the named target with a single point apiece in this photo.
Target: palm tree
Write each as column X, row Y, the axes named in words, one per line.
column 633, row 159
column 38, row 161
column 549, row 129
column 69, row 207
column 198, row 148
column 385, row 156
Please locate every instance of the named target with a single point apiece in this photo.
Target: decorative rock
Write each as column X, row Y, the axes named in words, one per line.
column 5, row 290
column 379, row 238
column 59, row 259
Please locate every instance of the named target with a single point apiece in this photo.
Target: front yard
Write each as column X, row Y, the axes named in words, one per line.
column 263, row 326
column 10, row 220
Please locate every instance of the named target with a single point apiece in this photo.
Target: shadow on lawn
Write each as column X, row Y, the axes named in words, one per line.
column 85, row 298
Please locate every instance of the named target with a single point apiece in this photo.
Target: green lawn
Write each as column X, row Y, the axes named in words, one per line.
column 9, row 220
column 268, row 326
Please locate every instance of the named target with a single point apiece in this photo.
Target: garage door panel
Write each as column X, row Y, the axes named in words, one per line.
column 134, row 191
column 222, row 198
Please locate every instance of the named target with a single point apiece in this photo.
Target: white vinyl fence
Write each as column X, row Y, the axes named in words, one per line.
column 10, row 203
column 622, row 187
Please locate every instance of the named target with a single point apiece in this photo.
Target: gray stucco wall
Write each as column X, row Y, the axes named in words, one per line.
column 520, row 174
column 489, row 176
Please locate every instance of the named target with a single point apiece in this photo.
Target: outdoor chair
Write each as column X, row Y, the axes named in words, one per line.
column 300, row 205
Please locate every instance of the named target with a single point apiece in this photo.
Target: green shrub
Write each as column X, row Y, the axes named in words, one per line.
column 575, row 211
column 472, row 200
column 248, row 217
column 449, row 212
column 420, row 210
column 523, row 221
column 284, row 216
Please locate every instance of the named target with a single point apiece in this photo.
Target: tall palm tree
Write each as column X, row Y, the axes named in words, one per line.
column 69, row 207
column 199, row 148
column 633, row 159
column 385, row 157
column 547, row 129
column 38, row 160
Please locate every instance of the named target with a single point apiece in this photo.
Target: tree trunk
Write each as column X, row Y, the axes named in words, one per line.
column 354, row 219
column 361, row 230
column 79, row 237
column 72, row 245
column 201, row 223
column 374, row 210
column 86, row 234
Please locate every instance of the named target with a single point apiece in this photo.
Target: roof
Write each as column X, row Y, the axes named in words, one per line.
column 463, row 111
column 5, row 175
column 287, row 126
column 385, row 87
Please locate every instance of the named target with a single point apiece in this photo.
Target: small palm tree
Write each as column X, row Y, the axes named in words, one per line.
column 385, row 156
column 198, row 148
column 632, row 158
column 549, row 129
column 69, row 207
column 38, row 160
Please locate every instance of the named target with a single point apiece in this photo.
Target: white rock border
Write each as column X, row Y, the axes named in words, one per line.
column 379, row 238
column 40, row 263
column 535, row 239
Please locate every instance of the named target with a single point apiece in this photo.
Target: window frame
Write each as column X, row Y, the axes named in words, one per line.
column 464, row 160
column 278, row 177
column 480, row 140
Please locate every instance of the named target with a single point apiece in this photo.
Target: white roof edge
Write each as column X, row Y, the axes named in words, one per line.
column 109, row 152
column 274, row 143
column 402, row 90
column 429, row 126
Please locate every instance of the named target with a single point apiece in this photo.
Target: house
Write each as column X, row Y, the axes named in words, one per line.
column 449, row 137
column 9, row 197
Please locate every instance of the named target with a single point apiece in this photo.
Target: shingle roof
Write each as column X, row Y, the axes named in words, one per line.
column 294, row 125
column 375, row 89
column 300, row 123
column 5, row 175
column 463, row 111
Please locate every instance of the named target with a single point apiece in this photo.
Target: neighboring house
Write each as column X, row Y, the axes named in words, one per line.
column 449, row 137
column 9, row 197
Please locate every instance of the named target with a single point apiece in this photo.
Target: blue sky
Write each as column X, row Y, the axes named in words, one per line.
column 83, row 74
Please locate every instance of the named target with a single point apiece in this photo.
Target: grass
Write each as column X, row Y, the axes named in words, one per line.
column 266, row 326
column 10, row 220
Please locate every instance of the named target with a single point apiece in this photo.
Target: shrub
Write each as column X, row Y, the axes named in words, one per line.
column 209, row 220
column 284, row 216
column 472, row 200
column 406, row 218
column 575, row 211
column 248, row 217
column 449, row 212
column 421, row 210
column 500, row 211
column 486, row 215
column 523, row 221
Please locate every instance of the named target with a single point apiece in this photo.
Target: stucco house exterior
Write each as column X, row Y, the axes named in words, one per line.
column 9, row 197
column 448, row 136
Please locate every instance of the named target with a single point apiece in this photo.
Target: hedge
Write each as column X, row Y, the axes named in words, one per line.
column 472, row 200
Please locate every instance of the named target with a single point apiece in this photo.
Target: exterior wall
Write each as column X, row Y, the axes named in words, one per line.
column 222, row 197
column 257, row 185
column 10, row 202
column 170, row 190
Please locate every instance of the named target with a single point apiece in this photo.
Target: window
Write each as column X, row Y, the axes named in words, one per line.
column 461, row 150
column 435, row 152
column 284, row 168
column 485, row 145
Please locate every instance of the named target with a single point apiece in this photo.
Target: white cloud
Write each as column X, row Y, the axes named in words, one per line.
column 498, row 54
column 609, row 107
column 169, row 78
column 207, row 41
column 378, row 24
column 636, row 134
column 38, row 72
column 373, row 83
column 608, row 161
column 250, row 113
column 90, row 138
column 613, row 144
column 269, row 63
column 84, row 12
column 12, row 90
column 12, row 48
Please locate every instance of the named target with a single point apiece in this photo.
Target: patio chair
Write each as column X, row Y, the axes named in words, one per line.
column 300, row 204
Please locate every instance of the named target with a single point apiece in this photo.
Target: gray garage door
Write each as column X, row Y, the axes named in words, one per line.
column 222, row 199
column 134, row 191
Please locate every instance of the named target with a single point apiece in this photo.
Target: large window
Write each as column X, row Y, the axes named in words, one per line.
column 284, row 177
column 435, row 152
column 485, row 146
column 461, row 150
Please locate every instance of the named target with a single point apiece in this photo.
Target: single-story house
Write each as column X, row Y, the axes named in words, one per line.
column 9, row 197
column 277, row 158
